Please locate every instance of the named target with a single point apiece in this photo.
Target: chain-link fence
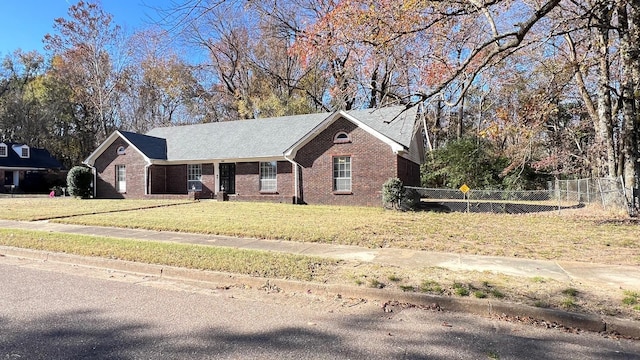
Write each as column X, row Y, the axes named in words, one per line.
column 560, row 195
column 609, row 193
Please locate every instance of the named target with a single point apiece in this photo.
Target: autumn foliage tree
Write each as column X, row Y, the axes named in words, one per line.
column 86, row 57
column 548, row 87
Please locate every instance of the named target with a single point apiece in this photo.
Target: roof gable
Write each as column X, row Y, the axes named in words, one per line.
column 393, row 126
column 149, row 147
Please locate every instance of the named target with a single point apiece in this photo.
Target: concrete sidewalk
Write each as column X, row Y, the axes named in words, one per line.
column 614, row 276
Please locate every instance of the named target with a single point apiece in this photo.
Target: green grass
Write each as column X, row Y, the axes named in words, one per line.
column 569, row 303
column 631, row 298
column 407, row 288
column 496, row 293
column 570, row 238
column 248, row 262
column 460, row 290
column 430, row 286
column 570, row 292
column 394, row 278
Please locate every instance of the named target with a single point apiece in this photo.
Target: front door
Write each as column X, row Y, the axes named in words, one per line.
column 228, row 178
column 8, row 178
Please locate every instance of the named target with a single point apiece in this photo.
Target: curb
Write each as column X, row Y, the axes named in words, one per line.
column 609, row 325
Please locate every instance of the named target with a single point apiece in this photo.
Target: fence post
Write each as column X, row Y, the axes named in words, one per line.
column 558, row 194
column 601, row 194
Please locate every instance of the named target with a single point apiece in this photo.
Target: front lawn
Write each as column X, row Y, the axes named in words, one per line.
column 542, row 236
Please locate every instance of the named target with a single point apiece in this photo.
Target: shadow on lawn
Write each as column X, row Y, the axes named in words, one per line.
column 491, row 207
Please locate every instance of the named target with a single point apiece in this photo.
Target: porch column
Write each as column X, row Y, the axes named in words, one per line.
column 216, row 173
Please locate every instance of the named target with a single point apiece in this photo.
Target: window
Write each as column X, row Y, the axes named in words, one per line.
column 342, row 173
column 3, row 150
column 121, row 179
column 341, row 138
column 268, row 176
column 25, row 152
column 194, row 177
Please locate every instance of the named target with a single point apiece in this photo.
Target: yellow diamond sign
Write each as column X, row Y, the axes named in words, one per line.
column 464, row 188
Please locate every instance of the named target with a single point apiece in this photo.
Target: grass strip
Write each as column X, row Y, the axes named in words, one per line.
column 237, row 261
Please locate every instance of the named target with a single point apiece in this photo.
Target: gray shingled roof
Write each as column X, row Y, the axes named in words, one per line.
column 270, row 137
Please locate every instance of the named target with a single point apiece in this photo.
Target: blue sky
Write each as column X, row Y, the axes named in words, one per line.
column 24, row 23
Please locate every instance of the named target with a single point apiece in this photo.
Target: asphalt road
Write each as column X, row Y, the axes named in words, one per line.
column 56, row 311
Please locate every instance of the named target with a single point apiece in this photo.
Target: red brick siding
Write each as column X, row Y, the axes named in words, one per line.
column 208, row 182
column 248, row 183
column 134, row 167
column 372, row 163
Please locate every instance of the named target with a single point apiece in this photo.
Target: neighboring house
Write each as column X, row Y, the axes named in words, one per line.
column 331, row 158
column 18, row 161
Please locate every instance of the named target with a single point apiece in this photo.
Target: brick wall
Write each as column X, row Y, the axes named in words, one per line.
column 106, row 177
column 208, row 182
column 372, row 163
column 248, row 183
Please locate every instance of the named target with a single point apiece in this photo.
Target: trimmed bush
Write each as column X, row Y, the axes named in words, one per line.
column 395, row 196
column 392, row 191
column 79, row 181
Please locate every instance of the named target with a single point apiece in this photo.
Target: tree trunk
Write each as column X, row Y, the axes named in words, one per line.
column 604, row 131
column 628, row 135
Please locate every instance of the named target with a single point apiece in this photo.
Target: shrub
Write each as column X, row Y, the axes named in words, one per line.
column 392, row 192
column 79, row 181
column 395, row 196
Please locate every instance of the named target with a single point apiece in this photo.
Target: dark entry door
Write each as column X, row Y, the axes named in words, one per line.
column 8, row 178
column 228, row 178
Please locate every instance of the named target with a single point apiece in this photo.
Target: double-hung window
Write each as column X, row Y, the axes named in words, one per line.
column 194, row 177
column 3, row 150
column 342, row 173
column 121, row 178
column 268, row 176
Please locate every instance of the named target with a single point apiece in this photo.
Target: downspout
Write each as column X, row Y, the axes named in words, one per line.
column 295, row 179
column 147, row 181
column 95, row 179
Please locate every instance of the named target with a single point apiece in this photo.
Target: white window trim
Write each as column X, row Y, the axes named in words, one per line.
column 339, row 181
column 121, row 184
column 268, row 184
column 194, row 177
column 341, row 137
column 4, row 150
column 19, row 149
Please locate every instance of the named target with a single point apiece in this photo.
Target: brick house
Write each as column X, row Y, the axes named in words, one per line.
column 20, row 162
column 330, row 158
